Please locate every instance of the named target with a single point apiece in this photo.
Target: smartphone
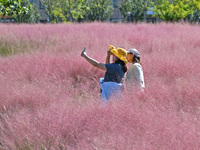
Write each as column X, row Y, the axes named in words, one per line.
column 84, row 49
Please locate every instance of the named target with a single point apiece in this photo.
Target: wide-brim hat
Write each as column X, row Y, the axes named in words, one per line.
column 119, row 53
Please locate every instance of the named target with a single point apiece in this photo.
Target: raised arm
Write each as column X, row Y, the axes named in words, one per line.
column 93, row 62
column 108, row 57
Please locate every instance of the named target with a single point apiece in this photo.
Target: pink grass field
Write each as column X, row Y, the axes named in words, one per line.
column 49, row 95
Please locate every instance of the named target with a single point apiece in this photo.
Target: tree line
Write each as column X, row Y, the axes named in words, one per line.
column 59, row 11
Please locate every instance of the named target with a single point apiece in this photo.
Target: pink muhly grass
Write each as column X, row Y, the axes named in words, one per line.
column 49, row 95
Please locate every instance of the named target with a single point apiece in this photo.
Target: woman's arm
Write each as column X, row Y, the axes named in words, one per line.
column 108, row 57
column 93, row 62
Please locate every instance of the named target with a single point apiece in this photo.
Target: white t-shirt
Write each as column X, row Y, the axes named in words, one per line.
column 135, row 77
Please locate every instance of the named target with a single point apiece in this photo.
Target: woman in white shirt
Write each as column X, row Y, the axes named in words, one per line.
column 134, row 77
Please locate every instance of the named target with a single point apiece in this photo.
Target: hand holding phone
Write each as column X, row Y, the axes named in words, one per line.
column 83, row 53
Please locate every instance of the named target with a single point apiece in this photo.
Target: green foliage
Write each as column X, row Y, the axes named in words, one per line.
column 125, row 7
column 15, row 9
column 194, row 17
column 58, row 15
column 1, row 9
column 64, row 10
column 175, row 10
column 77, row 10
column 11, row 7
column 31, row 14
column 138, row 9
column 74, row 9
column 99, row 10
column 168, row 10
column 52, row 9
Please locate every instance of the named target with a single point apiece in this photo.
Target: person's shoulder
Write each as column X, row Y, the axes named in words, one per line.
column 137, row 65
column 111, row 64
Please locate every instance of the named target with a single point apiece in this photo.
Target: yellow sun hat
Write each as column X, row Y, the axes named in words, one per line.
column 119, row 53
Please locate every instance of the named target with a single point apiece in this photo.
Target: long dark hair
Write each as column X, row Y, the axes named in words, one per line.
column 124, row 67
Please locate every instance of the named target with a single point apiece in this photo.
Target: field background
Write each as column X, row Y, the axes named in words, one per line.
column 49, row 95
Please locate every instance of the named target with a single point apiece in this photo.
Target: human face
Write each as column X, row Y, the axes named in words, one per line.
column 114, row 59
column 130, row 57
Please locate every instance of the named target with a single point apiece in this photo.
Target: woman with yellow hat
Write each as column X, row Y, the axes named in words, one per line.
column 112, row 83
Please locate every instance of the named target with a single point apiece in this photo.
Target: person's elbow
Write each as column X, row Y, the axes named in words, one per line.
column 101, row 66
column 96, row 65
